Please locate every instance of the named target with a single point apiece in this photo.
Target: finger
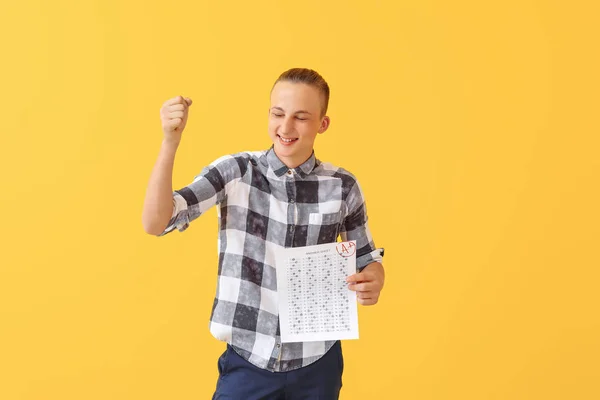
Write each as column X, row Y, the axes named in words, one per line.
column 368, row 295
column 175, row 114
column 188, row 101
column 174, row 111
column 176, row 107
column 362, row 287
column 361, row 276
column 174, row 100
column 367, row 302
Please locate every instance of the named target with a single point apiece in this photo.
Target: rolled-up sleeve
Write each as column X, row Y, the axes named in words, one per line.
column 356, row 227
column 208, row 188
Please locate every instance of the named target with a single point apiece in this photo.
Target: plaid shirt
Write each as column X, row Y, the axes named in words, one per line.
column 264, row 205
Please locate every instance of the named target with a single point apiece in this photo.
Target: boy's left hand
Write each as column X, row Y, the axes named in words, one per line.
column 367, row 284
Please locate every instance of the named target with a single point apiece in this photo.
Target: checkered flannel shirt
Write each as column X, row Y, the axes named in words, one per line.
column 264, row 205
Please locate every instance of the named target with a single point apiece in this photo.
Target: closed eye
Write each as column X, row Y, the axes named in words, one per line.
column 281, row 115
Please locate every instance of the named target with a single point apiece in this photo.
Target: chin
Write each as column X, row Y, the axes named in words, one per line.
column 284, row 150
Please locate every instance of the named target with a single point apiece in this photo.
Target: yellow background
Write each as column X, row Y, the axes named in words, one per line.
column 472, row 126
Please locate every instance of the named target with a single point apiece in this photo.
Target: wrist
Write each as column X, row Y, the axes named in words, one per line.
column 172, row 144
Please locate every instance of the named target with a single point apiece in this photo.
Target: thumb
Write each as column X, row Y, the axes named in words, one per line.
column 188, row 101
column 358, row 277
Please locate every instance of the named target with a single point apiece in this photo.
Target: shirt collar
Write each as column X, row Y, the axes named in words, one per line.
column 279, row 168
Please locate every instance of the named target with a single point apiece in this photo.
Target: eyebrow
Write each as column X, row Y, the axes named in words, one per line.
column 297, row 112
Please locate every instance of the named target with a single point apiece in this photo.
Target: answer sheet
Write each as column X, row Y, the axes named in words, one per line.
column 314, row 300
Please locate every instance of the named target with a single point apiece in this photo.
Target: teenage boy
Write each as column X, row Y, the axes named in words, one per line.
column 280, row 197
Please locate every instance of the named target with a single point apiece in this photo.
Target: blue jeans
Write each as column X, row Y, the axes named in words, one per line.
column 241, row 380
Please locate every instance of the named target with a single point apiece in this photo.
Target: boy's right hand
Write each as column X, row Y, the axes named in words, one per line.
column 174, row 115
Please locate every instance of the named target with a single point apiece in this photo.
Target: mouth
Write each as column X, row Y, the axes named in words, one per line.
column 286, row 141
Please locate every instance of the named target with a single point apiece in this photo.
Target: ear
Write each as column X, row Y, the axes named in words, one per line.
column 324, row 124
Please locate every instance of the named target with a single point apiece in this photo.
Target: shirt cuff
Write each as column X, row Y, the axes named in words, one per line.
column 374, row 256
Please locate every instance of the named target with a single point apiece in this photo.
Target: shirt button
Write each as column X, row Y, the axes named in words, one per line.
column 292, row 201
column 289, row 172
column 278, row 345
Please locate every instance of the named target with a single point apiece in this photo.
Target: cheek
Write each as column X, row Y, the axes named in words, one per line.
column 309, row 132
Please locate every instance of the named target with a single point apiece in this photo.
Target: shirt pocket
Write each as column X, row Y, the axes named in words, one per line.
column 323, row 228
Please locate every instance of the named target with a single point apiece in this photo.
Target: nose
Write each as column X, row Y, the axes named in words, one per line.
column 287, row 125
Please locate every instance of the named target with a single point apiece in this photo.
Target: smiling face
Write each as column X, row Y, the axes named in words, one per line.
column 295, row 120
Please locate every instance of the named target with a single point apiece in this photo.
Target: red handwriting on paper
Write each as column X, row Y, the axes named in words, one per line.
column 346, row 249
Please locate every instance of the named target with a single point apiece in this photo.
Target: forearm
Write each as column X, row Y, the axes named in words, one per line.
column 158, row 203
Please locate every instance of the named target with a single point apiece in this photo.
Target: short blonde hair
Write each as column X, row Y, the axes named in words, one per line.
column 309, row 77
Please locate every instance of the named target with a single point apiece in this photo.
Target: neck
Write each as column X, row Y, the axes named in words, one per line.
column 293, row 162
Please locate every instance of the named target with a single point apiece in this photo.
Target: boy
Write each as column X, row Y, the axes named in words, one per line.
column 280, row 197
